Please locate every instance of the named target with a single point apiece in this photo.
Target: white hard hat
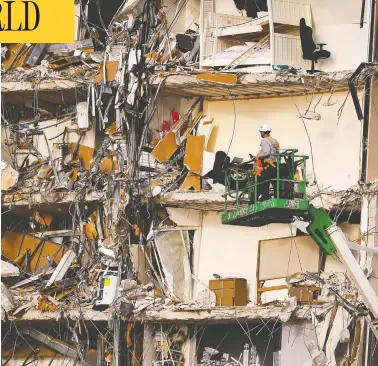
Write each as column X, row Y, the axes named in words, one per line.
column 265, row 128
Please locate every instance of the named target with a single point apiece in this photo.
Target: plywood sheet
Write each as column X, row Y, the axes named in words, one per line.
column 165, row 148
column 191, row 182
column 14, row 245
column 218, row 77
column 111, row 72
column 194, row 153
column 282, row 257
column 84, row 153
column 107, row 165
column 19, row 50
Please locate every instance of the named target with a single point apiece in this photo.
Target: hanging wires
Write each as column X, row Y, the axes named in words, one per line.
column 311, row 149
column 233, row 128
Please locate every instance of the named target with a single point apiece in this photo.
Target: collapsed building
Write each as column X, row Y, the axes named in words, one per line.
column 125, row 157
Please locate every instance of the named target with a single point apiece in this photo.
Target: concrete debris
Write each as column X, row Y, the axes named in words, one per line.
column 9, row 270
column 206, row 298
column 9, row 176
column 62, row 268
column 7, row 300
column 318, row 357
column 116, row 164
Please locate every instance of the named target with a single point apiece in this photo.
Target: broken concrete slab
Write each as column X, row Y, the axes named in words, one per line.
column 9, row 176
column 62, row 268
column 198, row 315
column 7, row 300
column 9, row 270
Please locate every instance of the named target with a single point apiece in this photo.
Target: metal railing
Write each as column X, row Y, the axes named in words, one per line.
column 242, row 184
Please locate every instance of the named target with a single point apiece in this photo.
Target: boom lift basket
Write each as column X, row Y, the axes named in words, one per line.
column 287, row 192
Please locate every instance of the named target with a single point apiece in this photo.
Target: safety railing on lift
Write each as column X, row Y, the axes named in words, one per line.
column 243, row 182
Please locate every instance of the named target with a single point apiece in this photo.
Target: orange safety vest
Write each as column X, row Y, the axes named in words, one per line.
column 259, row 167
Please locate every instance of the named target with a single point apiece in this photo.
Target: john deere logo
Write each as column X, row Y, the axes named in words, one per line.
column 37, row 21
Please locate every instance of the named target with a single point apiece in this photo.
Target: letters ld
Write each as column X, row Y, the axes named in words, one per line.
column 25, row 25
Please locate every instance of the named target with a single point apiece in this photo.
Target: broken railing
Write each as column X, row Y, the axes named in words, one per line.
column 243, row 184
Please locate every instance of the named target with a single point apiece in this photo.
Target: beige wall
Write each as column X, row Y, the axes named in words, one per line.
column 189, row 14
column 226, row 7
column 336, row 23
column 336, row 144
column 231, row 251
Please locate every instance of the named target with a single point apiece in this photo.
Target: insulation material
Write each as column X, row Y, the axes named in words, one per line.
column 194, row 153
column 174, row 259
column 30, row 250
column 278, row 257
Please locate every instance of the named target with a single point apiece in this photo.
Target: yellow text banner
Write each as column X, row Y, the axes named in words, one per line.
column 37, row 21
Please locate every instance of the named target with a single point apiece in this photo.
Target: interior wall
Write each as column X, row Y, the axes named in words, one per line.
column 226, row 7
column 230, row 251
column 295, row 337
column 335, row 142
column 231, row 339
column 337, row 23
column 164, row 106
column 192, row 13
column 51, row 131
column 189, row 14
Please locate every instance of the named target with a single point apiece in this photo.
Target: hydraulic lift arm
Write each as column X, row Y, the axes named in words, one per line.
column 331, row 239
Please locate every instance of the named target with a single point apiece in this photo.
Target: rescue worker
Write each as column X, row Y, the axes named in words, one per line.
column 267, row 155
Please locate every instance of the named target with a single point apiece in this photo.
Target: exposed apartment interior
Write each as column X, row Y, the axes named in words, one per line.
column 193, row 183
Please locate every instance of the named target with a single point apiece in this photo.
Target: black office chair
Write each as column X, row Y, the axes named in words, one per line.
column 310, row 50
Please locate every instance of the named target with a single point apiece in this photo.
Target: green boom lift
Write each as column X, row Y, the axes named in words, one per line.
column 288, row 202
